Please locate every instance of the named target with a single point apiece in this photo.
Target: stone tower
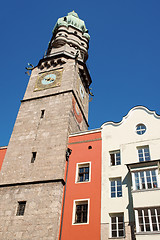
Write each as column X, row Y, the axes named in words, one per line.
column 55, row 104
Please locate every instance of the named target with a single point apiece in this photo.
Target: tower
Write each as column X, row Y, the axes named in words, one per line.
column 55, row 104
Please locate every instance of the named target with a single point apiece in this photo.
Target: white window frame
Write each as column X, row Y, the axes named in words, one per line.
column 115, row 180
column 78, row 202
column 116, row 215
column 115, row 152
column 150, row 220
column 79, row 165
column 145, row 179
column 144, row 157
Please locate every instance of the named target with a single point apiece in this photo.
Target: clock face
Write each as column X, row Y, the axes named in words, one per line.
column 81, row 89
column 49, row 80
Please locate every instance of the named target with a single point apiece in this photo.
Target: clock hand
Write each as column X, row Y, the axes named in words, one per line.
column 48, row 79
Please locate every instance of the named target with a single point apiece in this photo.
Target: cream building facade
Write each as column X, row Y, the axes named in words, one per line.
column 130, row 204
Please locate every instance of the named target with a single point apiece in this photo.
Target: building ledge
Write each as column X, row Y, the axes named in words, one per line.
column 148, row 233
column 132, row 166
column 117, row 237
column 145, row 190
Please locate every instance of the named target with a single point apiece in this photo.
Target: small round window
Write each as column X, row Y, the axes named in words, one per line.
column 140, row 129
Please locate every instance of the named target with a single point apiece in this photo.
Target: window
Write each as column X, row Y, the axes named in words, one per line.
column 143, row 154
column 140, row 129
column 81, row 211
column 148, row 220
column 117, row 226
column 116, row 188
column 145, row 179
column 83, row 172
column 21, row 208
column 33, row 157
column 42, row 113
column 115, row 158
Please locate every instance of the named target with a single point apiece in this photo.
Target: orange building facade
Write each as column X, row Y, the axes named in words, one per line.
column 2, row 155
column 82, row 193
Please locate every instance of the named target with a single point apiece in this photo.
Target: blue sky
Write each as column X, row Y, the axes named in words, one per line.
column 124, row 53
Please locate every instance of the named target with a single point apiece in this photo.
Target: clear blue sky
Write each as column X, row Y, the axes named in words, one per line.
column 124, row 53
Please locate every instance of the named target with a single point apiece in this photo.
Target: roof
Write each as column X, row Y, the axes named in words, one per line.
column 142, row 164
column 142, row 108
column 73, row 20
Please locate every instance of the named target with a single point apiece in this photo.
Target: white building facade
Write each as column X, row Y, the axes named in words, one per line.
column 130, row 202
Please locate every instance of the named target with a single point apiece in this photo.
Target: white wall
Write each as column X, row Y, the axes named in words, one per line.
column 123, row 136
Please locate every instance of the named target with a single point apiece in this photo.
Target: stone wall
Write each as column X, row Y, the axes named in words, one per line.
column 41, row 218
column 47, row 136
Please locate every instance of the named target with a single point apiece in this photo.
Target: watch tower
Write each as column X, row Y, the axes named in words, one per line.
column 55, row 104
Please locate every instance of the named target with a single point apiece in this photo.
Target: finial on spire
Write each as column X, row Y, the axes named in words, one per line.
column 73, row 13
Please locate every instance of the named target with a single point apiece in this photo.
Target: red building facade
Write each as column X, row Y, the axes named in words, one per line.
column 82, row 194
column 2, row 155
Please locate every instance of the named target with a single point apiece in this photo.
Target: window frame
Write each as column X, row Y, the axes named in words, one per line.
column 21, row 208
column 80, row 202
column 115, row 157
column 150, row 222
column 42, row 113
column 146, row 182
column 80, row 165
column 142, row 129
column 143, row 153
column 116, row 186
column 33, row 158
column 117, row 229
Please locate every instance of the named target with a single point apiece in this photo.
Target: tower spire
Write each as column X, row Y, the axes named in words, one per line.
column 69, row 36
